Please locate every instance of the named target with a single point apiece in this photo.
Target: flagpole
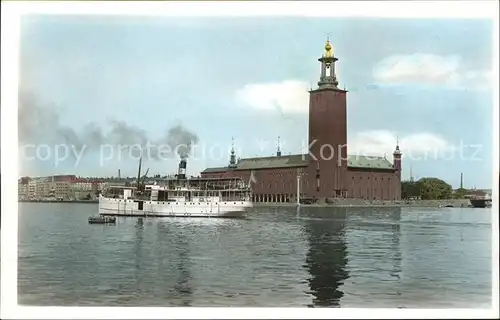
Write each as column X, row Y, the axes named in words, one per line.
column 298, row 189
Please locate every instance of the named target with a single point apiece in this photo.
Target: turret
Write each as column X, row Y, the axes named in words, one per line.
column 232, row 159
column 397, row 158
column 328, row 78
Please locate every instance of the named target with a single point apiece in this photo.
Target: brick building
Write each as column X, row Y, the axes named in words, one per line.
column 327, row 171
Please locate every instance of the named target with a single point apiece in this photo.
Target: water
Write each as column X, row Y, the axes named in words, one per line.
column 330, row 257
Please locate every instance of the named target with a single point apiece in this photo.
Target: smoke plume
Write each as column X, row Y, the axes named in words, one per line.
column 40, row 124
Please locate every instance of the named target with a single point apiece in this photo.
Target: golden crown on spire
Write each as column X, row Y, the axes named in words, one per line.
column 328, row 49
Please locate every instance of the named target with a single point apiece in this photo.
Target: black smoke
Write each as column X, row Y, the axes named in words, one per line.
column 41, row 124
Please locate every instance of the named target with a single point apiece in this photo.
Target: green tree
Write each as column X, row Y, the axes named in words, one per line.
column 409, row 189
column 459, row 193
column 434, row 189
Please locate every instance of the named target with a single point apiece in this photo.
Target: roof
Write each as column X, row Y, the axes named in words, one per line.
column 300, row 160
column 291, row 161
column 368, row 162
column 218, row 169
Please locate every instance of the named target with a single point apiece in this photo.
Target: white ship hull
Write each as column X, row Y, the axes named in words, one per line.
column 129, row 207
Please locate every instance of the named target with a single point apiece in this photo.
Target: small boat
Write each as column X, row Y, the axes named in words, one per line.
column 101, row 219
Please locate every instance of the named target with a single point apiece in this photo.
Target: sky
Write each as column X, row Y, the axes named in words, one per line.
column 89, row 81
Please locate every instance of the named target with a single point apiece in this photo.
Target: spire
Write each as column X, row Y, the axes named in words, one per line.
column 278, row 150
column 328, row 48
column 461, row 180
column 232, row 159
column 328, row 79
column 397, row 151
column 397, row 157
column 411, row 174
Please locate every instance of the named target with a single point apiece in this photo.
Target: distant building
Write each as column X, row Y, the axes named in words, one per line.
column 324, row 174
column 60, row 187
column 22, row 188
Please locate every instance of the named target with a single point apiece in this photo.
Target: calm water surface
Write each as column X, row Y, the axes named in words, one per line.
column 331, row 257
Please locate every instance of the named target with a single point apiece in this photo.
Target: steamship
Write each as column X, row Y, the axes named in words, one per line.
column 178, row 197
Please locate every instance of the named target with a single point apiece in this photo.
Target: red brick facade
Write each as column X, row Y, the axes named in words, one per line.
column 328, row 142
column 280, row 184
column 373, row 185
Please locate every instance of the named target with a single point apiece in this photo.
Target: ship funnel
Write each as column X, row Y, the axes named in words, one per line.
column 182, row 169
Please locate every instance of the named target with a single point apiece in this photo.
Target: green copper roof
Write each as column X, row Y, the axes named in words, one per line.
column 300, row 160
column 296, row 160
column 368, row 162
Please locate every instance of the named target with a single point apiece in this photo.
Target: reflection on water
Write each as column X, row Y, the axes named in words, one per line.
column 326, row 258
column 395, row 248
column 278, row 257
column 182, row 286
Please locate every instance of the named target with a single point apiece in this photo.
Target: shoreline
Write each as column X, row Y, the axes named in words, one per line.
column 343, row 203
column 59, row 201
column 353, row 203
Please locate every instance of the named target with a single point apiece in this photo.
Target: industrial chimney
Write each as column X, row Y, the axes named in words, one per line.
column 181, row 175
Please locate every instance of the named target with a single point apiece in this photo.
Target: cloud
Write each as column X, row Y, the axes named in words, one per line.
column 380, row 142
column 429, row 69
column 290, row 96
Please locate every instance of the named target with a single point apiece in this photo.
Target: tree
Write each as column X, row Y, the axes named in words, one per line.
column 409, row 189
column 434, row 189
column 459, row 193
